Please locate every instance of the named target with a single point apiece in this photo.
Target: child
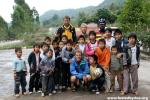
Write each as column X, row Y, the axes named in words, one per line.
column 67, row 55
column 133, row 65
column 110, row 41
column 20, row 72
column 34, row 60
column 116, row 67
column 81, row 43
column 103, row 54
column 97, row 74
column 47, row 71
column 92, row 45
column 44, row 49
column 64, row 39
column 48, row 41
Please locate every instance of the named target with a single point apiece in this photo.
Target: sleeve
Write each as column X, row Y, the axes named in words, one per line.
column 74, row 72
column 63, row 56
column 14, row 65
column 30, row 60
column 74, row 35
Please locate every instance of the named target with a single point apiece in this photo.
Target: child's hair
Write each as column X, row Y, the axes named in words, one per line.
column 70, row 42
column 92, row 33
column 55, row 41
column 114, row 47
column 81, row 36
column 66, row 17
column 44, row 44
column 50, row 50
column 36, row 45
column 64, row 36
column 47, row 38
column 117, row 31
column 94, row 57
column 61, row 42
column 18, row 49
column 109, row 30
column 78, row 51
column 133, row 35
column 102, row 40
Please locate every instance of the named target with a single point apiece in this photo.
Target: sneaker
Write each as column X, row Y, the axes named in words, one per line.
column 122, row 93
column 136, row 93
column 54, row 92
column 111, row 91
column 97, row 93
column 93, row 90
column 17, row 95
column 69, row 88
column 30, row 93
column 24, row 93
column 42, row 95
column 50, row 94
column 39, row 91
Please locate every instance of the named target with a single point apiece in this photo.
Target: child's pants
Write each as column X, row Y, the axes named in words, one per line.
column 47, row 83
column 66, row 75
column 34, row 81
column 107, row 82
column 133, row 71
column 115, row 73
column 20, row 80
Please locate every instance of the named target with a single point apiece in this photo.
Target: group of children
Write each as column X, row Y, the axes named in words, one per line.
column 89, row 63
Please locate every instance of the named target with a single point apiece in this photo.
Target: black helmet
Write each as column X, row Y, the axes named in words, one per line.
column 101, row 21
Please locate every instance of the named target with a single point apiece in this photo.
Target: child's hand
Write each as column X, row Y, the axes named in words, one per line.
column 70, row 61
column 119, row 55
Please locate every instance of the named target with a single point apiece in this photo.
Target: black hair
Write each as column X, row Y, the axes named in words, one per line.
column 44, row 44
column 36, row 45
column 81, row 36
column 65, row 37
column 109, row 30
column 18, row 49
column 94, row 57
column 47, row 38
column 55, row 41
column 70, row 42
column 102, row 40
column 117, row 31
column 50, row 50
column 92, row 33
column 114, row 47
column 133, row 35
column 66, row 17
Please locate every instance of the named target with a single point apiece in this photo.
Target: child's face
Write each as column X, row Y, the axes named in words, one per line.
column 55, row 45
column 48, row 42
column 49, row 54
column 64, row 40
column 107, row 35
column 114, row 51
column 68, row 46
column 81, row 41
column 36, row 49
column 118, row 36
column 132, row 40
column 101, row 45
column 45, row 48
column 92, row 37
column 91, row 61
column 61, row 45
column 19, row 54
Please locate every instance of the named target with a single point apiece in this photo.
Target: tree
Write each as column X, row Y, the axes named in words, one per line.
column 3, row 29
column 82, row 18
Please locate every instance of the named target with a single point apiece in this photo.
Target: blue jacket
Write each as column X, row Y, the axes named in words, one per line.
column 79, row 70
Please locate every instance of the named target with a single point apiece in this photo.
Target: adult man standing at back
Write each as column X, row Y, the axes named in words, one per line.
column 66, row 29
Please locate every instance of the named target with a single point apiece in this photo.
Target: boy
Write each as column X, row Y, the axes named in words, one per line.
column 34, row 60
column 67, row 55
column 64, row 39
column 79, row 70
column 47, row 71
column 20, row 72
column 92, row 45
column 97, row 74
column 103, row 54
column 116, row 67
column 133, row 56
column 81, row 43
column 110, row 41
column 44, row 49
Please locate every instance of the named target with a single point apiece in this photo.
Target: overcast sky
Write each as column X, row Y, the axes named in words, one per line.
column 45, row 5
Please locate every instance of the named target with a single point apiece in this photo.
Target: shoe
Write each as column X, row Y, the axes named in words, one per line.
column 50, row 94
column 24, row 93
column 122, row 93
column 69, row 88
column 111, row 91
column 42, row 95
column 54, row 92
column 136, row 93
column 30, row 93
column 39, row 91
column 17, row 95
column 97, row 93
